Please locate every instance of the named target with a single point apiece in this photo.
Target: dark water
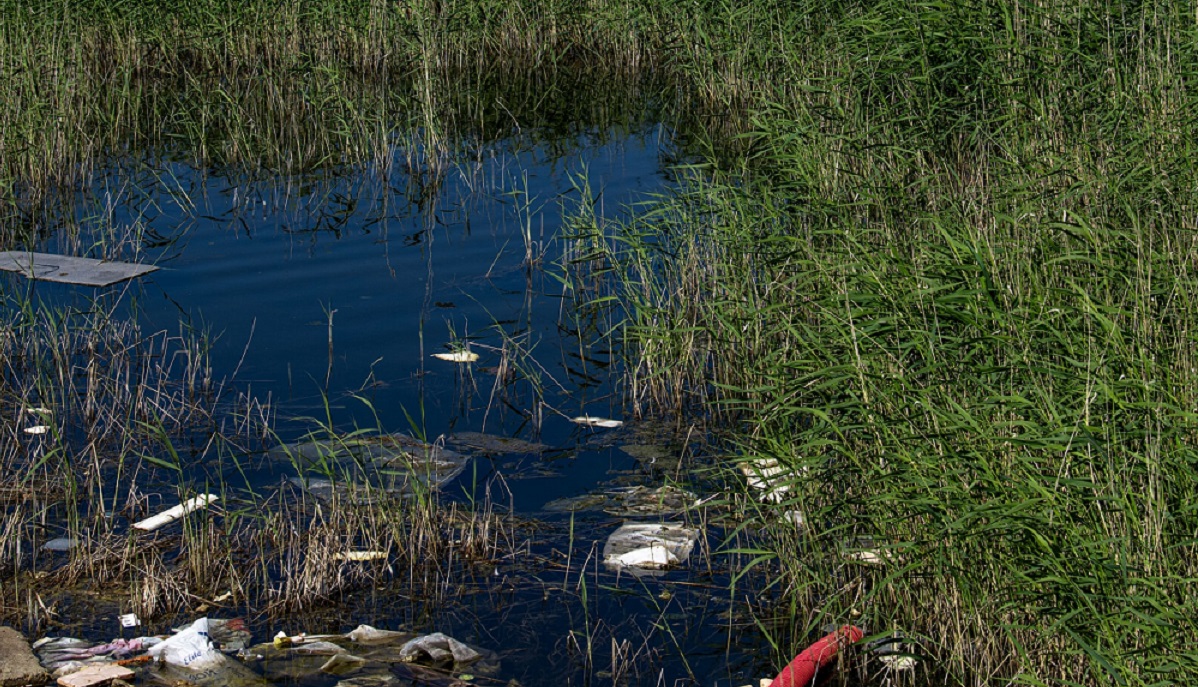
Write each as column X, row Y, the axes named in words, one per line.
column 326, row 296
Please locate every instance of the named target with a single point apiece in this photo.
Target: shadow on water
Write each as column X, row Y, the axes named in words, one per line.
column 310, row 306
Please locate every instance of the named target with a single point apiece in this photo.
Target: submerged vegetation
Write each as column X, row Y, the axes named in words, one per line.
column 933, row 264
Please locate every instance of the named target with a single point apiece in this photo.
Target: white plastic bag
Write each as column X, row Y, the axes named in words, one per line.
column 190, row 655
column 191, row 648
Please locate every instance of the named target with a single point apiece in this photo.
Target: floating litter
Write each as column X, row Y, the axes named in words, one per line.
column 894, row 652
column 592, row 421
column 129, row 620
column 60, row 544
column 768, row 477
column 457, row 356
column 69, row 269
column 370, row 467
column 646, row 549
column 168, row 516
column 38, row 411
column 652, row 557
column 37, row 429
column 898, row 662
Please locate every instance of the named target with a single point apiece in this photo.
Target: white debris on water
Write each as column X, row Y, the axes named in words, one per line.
column 457, row 356
column 643, row 548
column 769, row 477
column 168, row 516
column 592, row 421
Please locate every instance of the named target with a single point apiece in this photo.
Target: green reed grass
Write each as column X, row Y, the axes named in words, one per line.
column 944, row 273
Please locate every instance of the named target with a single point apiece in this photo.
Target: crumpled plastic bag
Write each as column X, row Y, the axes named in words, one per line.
column 191, row 656
column 190, row 648
column 365, row 634
column 438, row 647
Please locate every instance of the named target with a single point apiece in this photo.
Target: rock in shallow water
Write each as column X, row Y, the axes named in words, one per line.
column 19, row 666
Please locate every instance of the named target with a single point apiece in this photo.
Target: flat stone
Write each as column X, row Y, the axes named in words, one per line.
column 69, row 269
column 94, row 676
column 19, row 666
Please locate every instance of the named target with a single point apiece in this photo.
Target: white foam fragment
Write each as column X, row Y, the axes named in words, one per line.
column 592, row 421
column 168, row 516
column 457, row 356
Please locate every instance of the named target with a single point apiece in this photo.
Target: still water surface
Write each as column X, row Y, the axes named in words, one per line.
column 326, row 296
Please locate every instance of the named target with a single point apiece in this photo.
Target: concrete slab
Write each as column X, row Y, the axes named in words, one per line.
column 69, row 269
column 95, row 676
column 19, row 667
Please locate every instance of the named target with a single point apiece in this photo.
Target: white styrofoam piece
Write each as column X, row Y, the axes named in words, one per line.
column 168, row 516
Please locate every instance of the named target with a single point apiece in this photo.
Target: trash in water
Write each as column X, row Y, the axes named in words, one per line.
column 865, row 550
column 39, row 410
column 644, row 548
column 284, row 641
column 769, row 477
column 653, row 556
column 58, row 652
column 636, row 501
column 489, row 443
column 439, row 648
column 343, row 664
column 318, row 648
column 230, row 635
column 190, row 656
column 70, row 270
column 190, row 647
column 129, row 620
column 457, row 356
column 894, row 652
column 37, row 429
column 95, row 675
column 359, row 555
column 592, row 421
column 60, row 544
column 365, row 634
column 169, row 516
column 394, row 464
column 641, row 500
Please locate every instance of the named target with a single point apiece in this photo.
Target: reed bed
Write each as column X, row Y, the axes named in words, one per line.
column 945, row 278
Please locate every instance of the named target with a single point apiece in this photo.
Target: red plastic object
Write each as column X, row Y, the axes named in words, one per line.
column 802, row 670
